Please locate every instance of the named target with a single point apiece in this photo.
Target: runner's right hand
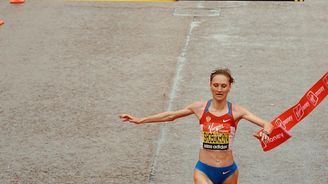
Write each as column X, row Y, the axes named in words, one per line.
column 129, row 118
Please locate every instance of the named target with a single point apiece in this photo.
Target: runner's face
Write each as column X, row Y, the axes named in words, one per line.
column 220, row 87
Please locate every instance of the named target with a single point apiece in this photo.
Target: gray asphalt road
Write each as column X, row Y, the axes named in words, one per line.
column 67, row 69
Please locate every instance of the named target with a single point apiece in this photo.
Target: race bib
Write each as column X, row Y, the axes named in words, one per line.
column 216, row 140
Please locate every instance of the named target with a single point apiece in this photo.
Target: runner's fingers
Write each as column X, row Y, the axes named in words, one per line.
column 123, row 119
column 256, row 135
column 265, row 137
column 125, row 116
column 128, row 120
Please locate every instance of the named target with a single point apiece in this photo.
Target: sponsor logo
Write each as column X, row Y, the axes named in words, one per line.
column 208, row 119
column 278, row 122
column 215, row 146
column 298, row 111
column 325, row 80
column 272, row 139
column 226, row 172
column 213, row 128
column 208, row 146
column 287, row 120
column 312, row 98
column 226, row 120
column 320, row 90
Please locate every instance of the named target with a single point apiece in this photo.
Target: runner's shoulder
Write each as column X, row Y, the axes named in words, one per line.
column 197, row 105
column 236, row 108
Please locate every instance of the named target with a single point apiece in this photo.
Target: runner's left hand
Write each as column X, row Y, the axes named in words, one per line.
column 261, row 135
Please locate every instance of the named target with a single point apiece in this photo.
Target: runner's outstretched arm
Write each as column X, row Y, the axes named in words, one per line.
column 160, row 117
column 267, row 127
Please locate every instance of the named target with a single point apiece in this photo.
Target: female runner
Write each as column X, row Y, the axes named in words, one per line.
column 218, row 119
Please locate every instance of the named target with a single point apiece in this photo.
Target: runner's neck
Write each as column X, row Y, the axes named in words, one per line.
column 219, row 105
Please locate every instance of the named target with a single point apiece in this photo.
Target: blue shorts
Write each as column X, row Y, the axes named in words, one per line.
column 216, row 174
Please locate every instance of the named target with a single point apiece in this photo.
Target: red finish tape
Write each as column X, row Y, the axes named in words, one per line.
column 288, row 119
